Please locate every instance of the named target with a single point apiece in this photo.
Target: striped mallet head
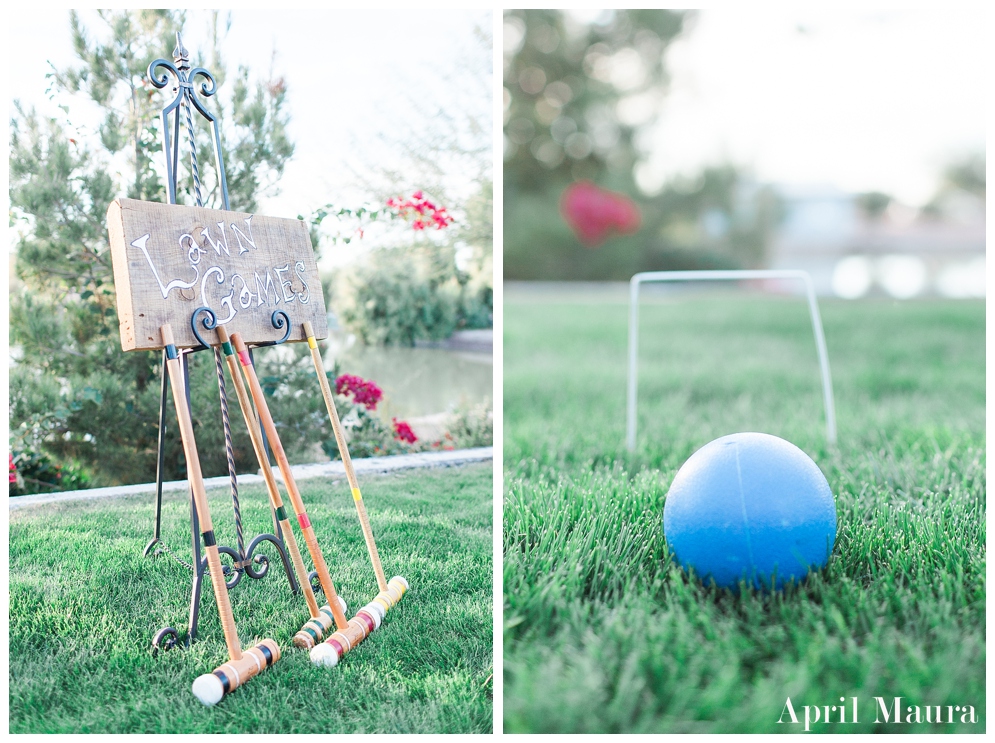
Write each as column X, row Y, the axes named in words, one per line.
column 396, row 588
column 317, row 627
column 212, row 687
column 367, row 620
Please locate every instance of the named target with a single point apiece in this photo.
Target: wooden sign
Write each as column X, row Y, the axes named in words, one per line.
column 170, row 260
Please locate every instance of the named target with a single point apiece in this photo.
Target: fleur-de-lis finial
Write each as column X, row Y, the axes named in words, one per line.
column 185, row 102
column 180, row 54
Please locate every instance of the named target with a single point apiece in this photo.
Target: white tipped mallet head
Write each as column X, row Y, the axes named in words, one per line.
column 344, row 606
column 324, row 654
column 402, row 580
column 208, row 689
column 374, row 615
column 377, row 609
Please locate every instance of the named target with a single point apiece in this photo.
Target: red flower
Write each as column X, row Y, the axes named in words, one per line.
column 13, row 469
column 594, row 213
column 363, row 392
column 421, row 210
column 403, row 432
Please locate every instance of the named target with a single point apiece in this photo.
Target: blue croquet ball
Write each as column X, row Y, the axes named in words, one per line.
column 750, row 506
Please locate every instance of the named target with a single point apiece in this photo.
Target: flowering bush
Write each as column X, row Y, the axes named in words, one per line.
column 594, row 213
column 363, row 392
column 34, row 472
column 445, row 443
column 403, row 432
column 420, row 211
column 416, row 209
column 408, row 289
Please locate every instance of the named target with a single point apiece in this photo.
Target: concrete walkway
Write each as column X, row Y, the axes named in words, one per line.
column 330, row 470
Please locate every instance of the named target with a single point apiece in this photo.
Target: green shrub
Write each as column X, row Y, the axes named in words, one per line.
column 401, row 295
column 37, row 472
column 472, row 425
column 476, row 307
column 387, row 305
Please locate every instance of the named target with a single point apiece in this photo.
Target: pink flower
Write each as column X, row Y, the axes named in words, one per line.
column 363, row 392
column 403, row 432
column 594, row 213
column 423, row 212
column 13, row 469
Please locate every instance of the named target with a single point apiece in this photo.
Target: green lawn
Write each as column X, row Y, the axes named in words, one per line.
column 84, row 605
column 605, row 633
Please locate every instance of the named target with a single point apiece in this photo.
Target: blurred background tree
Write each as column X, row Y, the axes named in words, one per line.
column 578, row 95
column 76, row 400
column 963, row 180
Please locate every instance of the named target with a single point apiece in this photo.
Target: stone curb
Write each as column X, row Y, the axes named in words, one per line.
column 367, row 466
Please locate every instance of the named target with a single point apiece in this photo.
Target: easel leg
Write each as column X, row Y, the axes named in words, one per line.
column 243, row 560
column 198, row 572
column 161, row 458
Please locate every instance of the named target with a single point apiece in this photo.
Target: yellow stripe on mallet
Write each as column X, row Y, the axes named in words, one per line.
column 350, row 472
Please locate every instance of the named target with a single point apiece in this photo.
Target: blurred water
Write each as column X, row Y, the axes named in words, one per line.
column 416, row 381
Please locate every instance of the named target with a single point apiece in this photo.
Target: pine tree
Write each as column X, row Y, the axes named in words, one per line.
column 81, row 410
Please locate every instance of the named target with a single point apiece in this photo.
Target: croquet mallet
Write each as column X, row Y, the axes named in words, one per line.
column 322, row 619
column 350, row 472
column 266, row 420
column 349, row 633
column 390, row 591
column 210, row 688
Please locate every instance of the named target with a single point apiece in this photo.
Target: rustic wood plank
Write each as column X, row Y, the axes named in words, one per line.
column 170, row 260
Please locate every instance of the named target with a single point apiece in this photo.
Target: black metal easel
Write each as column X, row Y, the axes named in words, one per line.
column 243, row 559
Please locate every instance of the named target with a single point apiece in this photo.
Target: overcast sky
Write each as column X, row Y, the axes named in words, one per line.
column 863, row 100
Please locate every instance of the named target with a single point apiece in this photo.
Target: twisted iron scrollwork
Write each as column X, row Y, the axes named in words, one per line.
column 264, row 562
column 165, row 639
column 186, row 92
column 183, row 81
column 280, row 320
column 210, row 323
column 189, row 84
column 233, row 572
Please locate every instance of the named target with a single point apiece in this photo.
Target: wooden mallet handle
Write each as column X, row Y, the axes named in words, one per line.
column 350, row 472
column 274, row 492
column 196, row 480
column 288, row 479
column 322, row 619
